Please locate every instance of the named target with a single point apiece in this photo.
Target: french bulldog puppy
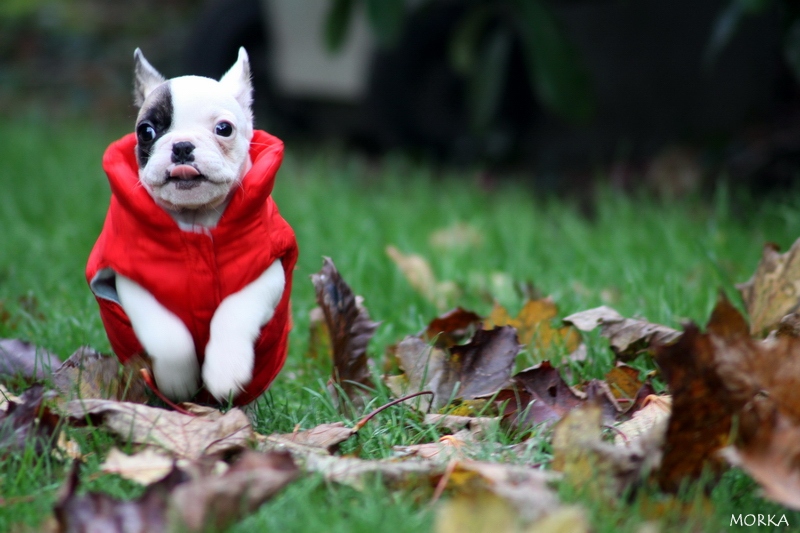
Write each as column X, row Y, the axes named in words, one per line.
column 193, row 149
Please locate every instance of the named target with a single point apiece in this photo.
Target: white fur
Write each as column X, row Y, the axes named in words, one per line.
column 164, row 337
column 237, row 322
column 199, row 104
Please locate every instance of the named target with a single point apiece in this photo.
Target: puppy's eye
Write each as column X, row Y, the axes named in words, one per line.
column 145, row 133
column 224, row 129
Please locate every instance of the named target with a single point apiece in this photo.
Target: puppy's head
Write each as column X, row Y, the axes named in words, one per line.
column 193, row 134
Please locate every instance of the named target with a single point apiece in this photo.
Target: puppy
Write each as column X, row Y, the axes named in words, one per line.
column 193, row 266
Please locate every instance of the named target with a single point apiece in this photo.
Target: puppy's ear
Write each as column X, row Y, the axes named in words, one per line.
column 146, row 78
column 237, row 81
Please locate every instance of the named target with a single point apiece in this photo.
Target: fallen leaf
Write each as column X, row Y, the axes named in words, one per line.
column 525, row 487
column 533, row 325
column 216, row 502
column 6, row 397
column 773, row 291
column 452, row 328
column 478, row 368
column 350, row 330
column 628, row 337
column 178, row 503
column 182, row 435
column 359, row 473
column 538, row 395
column 476, row 512
column 457, row 236
column 98, row 512
column 703, row 405
column 325, row 436
column 789, row 326
column 424, row 368
column 773, row 461
column 652, row 417
column 623, row 381
column 446, row 448
column 28, row 423
column 21, row 359
column 421, row 278
column 475, row 424
column 90, row 374
column 145, row 467
column 587, row 461
column 566, row 519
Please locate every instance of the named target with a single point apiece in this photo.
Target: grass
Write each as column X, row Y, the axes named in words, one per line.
column 663, row 261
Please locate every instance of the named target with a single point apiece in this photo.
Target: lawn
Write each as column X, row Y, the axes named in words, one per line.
column 666, row 261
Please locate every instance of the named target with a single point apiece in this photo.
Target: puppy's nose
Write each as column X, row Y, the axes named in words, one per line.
column 182, row 152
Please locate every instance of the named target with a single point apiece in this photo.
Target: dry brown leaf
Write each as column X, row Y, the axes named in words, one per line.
column 145, row 467
column 478, row 368
column 178, row 503
column 477, row 425
column 533, row 324
column 702, row 385
column 6, row 397
column 451, row 328
column 628, row 337
column 21, row 359
column 96, row 512
column 457, row 236
column 476, row 512
column 773, row 291
column 587, row 461
column 182, row 435
column 358, row 473
column 28, row 423
column 773, row 463
column 421, row 278
column 538, row 395
column 445, row 449
column 650, row 419
column 90, row 374
column 623, row 381
column 216, row 502
column 566, row 519
column 350, row 330
column 325, row 436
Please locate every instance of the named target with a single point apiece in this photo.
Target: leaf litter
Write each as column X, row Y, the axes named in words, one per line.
column 733, row 399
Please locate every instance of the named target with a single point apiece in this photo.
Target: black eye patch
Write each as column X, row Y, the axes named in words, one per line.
column 158, row 115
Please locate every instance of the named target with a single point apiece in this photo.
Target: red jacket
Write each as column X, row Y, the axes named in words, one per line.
column 190, row 272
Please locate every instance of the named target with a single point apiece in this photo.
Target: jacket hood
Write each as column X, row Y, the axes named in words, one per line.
column 122, row 169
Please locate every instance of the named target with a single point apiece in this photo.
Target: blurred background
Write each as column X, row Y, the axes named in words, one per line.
column 671, row 95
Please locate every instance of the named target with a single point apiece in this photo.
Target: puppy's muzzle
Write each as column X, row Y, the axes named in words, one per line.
column 185, row 175
column 182, row 152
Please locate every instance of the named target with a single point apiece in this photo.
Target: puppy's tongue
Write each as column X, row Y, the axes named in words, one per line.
column 184, row 172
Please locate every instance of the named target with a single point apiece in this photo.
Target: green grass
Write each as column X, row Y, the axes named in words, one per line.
column 665, row 262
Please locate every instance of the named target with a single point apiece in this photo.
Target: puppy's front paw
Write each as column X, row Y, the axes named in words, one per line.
column 228, row 367
column 178, row 383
